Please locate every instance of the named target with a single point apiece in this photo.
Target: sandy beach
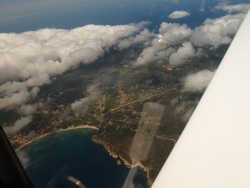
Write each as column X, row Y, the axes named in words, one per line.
column 59, row 130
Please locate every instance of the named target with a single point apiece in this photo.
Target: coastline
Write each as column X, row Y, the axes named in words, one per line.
column 104, row 144
column 126, row 163
column 59, row 130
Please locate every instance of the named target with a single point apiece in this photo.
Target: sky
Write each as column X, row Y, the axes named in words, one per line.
column 45, row 38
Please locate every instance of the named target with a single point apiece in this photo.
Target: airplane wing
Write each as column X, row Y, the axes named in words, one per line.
column 214, row 149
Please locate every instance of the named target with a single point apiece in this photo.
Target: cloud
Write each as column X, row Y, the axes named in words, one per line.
column 241, row 8
column 160, row 47
column 185, row 52
column 18, row 125
column 213, row 32
column 178, row 14
column 186, row 109
column 28, row 109
column 174, row 33
column 17, row 99
column 143, row 36
column 30, row 59
column 93, row 93
column 23, row 157
column 151, row 54
column 218, row 31
column 192, row 83
column 197, row 82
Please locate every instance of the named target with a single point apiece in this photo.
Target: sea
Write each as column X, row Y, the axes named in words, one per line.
column 101, row 12
column 63, row 158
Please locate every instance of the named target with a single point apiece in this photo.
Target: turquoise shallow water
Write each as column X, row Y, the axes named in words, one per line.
column 73, row 153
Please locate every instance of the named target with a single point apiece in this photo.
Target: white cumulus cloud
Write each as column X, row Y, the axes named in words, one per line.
column 197, row 82
column 160, row 47
column 93, row 93
column 242, row 8
column 174, row 33
column 178, row 14
column 213, row 32
column 185, row 52
column 30, row 59
column 18, row 125
column 143, row 36
column 218, row 31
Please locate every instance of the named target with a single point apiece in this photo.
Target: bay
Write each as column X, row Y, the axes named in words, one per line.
column 57, row 158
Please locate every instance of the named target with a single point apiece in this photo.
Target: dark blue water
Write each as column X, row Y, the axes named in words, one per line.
column 73, row 153
column 103, row 12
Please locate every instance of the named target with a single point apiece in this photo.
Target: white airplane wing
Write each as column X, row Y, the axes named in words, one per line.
column 214, row 149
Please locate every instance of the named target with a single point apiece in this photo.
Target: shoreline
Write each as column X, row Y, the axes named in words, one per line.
column 59, row 130
column 105, row 145
column 126, row 163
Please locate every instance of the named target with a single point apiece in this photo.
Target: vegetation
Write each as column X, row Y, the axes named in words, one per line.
column 118, row 112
